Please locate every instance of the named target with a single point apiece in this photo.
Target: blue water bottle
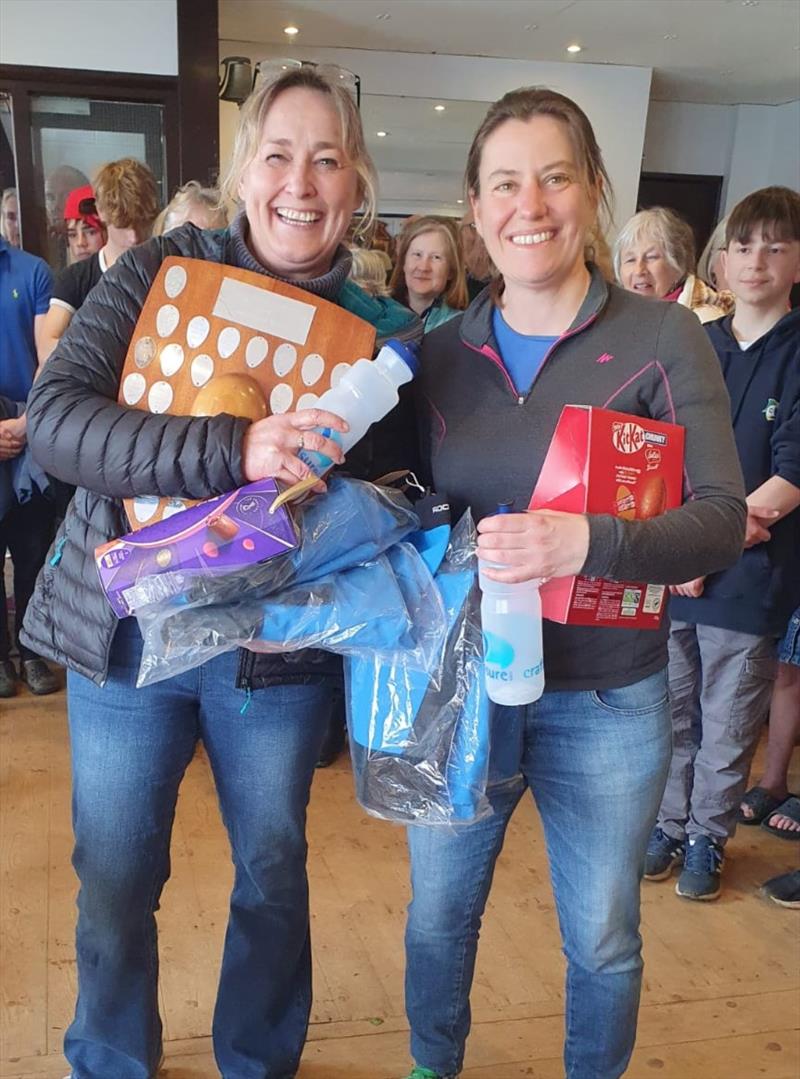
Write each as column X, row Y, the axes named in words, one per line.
column 511, row 616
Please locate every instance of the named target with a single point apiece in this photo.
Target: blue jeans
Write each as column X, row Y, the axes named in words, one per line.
column 130, row 749
column 596, row 763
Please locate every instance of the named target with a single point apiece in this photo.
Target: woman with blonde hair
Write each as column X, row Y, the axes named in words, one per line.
column 193, row 204
column 299, row 170
column 369, row 270
column 428, row 273
column 654, row 256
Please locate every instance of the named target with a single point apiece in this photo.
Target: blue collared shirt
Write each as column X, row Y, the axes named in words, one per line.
column 25, row 286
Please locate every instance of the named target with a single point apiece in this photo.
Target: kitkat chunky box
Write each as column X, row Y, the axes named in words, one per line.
column 217, row 536
column 609, row 462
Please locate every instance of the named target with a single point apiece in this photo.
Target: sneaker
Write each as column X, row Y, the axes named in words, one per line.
column 784, row 890
column 702, row 869
column 426, row 1073
column 39, row 678
column 663, row 852
column 8, row 678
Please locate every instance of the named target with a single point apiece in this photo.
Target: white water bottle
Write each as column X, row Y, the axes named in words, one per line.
column 365, row 393
column 511, row 616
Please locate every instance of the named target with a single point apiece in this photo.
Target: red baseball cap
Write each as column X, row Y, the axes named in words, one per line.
column 80, row 205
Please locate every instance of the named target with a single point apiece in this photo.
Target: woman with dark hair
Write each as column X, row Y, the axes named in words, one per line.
column 595, row 748
column 428, row 274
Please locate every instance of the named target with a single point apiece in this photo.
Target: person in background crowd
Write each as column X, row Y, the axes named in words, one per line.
column 709, row 265
column 428, row 275
column 57, row 186
column 195, row 204
column 369, row 271
column 725, row 626
column 125, row 204
column 26, row 511
column 300, row 169
column 86, row 234
column 594, row 749
column 125, row 201
column 9, row 217
column 477, row 263
column 769, row 802
column 654, row 257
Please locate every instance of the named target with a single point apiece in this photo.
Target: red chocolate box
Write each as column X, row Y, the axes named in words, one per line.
column 609, row 462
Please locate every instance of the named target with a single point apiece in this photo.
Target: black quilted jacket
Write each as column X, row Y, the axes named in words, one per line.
column 79, row 434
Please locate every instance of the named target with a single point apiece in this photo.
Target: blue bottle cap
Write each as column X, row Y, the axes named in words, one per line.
column 408, row 353
column 505, row 507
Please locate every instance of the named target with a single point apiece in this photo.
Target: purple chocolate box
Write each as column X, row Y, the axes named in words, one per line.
column 217, row 536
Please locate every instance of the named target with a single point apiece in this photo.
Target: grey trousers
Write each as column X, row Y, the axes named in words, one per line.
column 720, row 683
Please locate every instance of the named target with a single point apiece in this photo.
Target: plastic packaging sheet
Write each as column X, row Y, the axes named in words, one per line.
column 352, row 585
column 419, row 739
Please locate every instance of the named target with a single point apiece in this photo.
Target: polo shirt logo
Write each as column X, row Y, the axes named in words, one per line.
column 770, row 409
column 605, row 358
column 14, row 294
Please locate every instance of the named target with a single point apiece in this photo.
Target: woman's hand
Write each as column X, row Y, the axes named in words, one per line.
column 271, row 445
column 690, row 589
column 536, row 544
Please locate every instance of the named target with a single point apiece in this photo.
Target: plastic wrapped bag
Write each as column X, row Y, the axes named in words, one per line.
column 420, row 740
column 350, row 586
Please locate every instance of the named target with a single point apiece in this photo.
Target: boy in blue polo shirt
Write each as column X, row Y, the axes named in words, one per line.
column 725, row 627
column 26, row 515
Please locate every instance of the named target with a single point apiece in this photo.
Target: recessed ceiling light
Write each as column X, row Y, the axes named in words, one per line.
column 438, row 108
column 750, row 3
column 670, row 37
column 527, row 26
column 291, row 30
column 460, row 202
column 574, row 48
column 381, row 134
column 383, row 17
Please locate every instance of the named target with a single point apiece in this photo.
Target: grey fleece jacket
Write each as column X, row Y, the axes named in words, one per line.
column 483, row 443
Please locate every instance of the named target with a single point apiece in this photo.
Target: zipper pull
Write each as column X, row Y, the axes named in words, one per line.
column 247, row 701
column 520, row 400
column 58, row 551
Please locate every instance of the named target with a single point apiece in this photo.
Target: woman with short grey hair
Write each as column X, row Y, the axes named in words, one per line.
column 654, row 256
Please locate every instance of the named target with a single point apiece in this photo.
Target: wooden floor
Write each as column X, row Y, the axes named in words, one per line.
column 721, row 982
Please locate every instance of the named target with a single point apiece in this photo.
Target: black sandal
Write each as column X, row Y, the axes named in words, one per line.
column 761, row 802
column 791, row 809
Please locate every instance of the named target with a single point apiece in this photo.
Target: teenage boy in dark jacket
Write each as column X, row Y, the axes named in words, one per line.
column 725, row 626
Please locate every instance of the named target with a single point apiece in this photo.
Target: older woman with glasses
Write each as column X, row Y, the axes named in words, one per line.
column 299, row 169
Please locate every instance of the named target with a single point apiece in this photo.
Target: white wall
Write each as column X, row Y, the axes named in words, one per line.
column 766, row 149
column 98, row 35
column 615, row 98
column 682, row 137
column 751, row 146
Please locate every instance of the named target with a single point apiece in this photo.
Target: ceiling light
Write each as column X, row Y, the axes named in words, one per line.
column 670, row 37
column 438, row 108
column 574, row 48
column 384, row 15
column 530, row 26
column 381, row 134
column 460, row 202
column 291, row 30
column 750, row 3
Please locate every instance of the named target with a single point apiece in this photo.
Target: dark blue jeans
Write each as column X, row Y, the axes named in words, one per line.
column 596, row 763
column 130, row 749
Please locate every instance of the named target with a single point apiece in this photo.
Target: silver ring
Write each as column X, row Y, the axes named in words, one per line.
column 301, row 442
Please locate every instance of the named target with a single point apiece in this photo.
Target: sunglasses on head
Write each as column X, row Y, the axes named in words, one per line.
column 87, row 208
